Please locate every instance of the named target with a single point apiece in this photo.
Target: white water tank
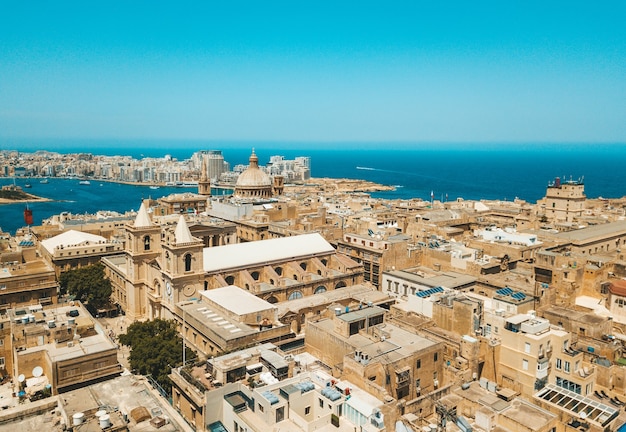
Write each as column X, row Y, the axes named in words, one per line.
column 105, row 421
column 78, row 418
column 100, row 413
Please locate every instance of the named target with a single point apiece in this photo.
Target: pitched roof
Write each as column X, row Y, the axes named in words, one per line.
column 142, row 220
column 618, row 287
column 264, row 251
column 71, row 238
column 182, row 233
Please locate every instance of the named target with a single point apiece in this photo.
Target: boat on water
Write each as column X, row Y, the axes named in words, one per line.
column 84, row 182
column 154, row 187
column 28, row 185
column 44, row 181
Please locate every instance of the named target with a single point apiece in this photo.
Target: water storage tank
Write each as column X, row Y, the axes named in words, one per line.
column 78, row 418
column 100, row 413
column 105, row 421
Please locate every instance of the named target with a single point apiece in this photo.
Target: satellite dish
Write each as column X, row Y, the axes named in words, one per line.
column 582, row 415
column 21, row 378
column 37, row 371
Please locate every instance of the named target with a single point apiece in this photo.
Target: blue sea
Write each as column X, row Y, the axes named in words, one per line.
column 448, row 171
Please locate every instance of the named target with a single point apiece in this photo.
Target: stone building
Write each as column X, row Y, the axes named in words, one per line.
column 378, row 254
column 60, row 346
column 380, row 357
column 281, row 269
column 564, row 200
column 533, row 355
column 74, row 249
column 25, row 278
column 254, row 183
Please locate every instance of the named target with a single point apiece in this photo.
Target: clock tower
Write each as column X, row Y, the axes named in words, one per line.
column 183, row 269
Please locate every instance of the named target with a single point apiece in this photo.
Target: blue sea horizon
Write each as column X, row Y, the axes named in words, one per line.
column 448, row 171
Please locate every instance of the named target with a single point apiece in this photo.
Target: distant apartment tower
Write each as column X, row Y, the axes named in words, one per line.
column 214, row 160
column 565, row 200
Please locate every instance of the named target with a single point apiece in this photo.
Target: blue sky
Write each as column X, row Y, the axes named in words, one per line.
column 415, row 71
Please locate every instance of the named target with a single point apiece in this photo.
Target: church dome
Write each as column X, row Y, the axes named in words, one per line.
column 253, row 176
column 253, row 182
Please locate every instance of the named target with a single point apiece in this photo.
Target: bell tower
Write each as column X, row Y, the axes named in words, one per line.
column 142, row 247
column 183, row 266
column 204, row 185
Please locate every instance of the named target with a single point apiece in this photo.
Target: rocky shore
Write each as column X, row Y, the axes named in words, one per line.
column 339, row 185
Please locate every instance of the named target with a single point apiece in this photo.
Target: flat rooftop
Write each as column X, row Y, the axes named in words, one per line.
column 449, row 279
column 593, row 232
column 212, row 321
column 397, row 345
column 236, row 300
column 361, row 293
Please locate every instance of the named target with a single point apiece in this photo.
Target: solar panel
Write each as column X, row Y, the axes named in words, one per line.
column 518, row 296
column 504, row 291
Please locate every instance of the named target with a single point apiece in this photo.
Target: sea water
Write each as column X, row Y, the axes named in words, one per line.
column 444, row 171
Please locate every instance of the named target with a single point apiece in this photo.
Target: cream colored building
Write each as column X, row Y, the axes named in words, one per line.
column 564, row 200
column 533, row 354
column 74, row 249
column 63, row 350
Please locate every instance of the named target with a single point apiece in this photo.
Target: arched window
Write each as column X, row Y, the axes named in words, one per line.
column 295, row 295
column 146, row 243
column 230, row 280
column 188, row 262
column 340, row 284
column 320, row 289
column 255, row 275
column 272, row 300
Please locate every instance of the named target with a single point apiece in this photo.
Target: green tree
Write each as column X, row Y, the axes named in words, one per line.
column 155, row 347
column 89, row 285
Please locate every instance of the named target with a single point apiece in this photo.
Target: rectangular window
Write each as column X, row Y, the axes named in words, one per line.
column 435, row 357
column 321, row 403
column 524, row 364
column 307, row 410
column 567, row 367
column 418, row 364
column 527, row 348
column 559, row 364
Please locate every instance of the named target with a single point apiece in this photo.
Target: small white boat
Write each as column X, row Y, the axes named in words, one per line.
column 84, row 182
column 154, row 187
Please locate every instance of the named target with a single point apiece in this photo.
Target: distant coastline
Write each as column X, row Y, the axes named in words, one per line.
column 27, row 198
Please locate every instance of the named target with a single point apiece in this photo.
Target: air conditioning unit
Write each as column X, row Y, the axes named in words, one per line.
column 436, row 383
column 377, row 422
